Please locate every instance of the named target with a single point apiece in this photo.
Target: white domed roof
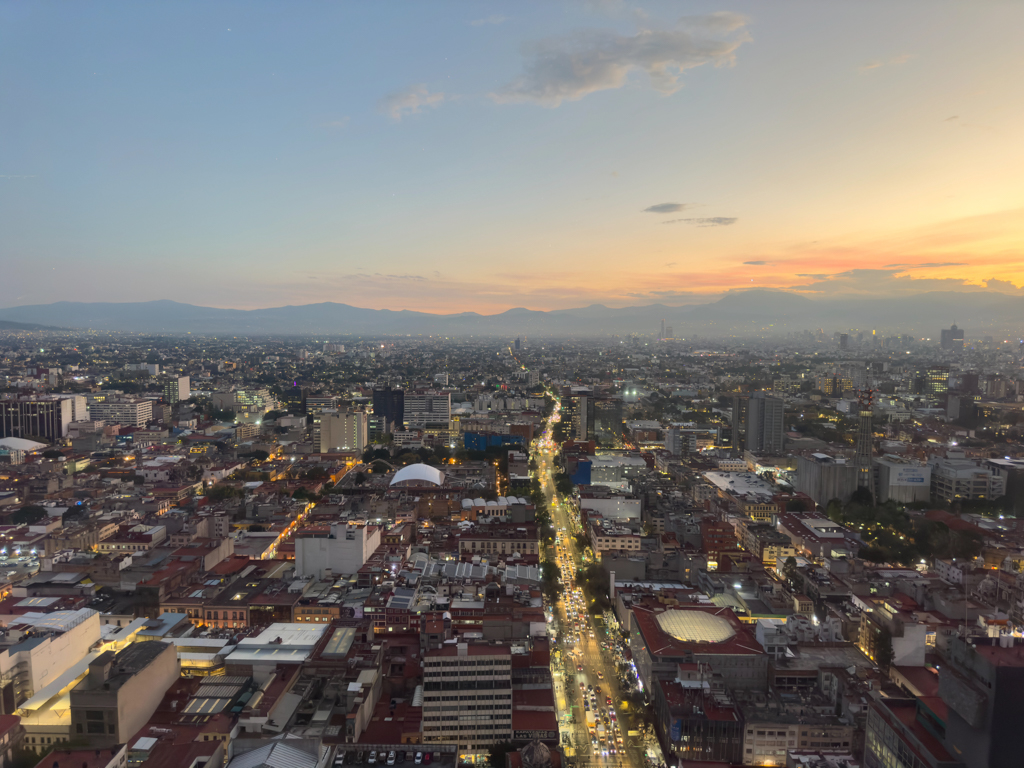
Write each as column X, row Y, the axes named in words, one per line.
column 419, row 472
column 695, row 626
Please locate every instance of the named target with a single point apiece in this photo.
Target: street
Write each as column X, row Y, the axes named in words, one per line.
column 592, row 711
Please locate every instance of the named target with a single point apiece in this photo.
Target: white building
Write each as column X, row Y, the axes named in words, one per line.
column 428, row 408
column 343, row 431
column 901, row 479
column 957, row 477
column 127, row 411
column 342, row 551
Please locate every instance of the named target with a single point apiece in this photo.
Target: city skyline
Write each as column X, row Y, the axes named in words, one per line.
column 482, row 157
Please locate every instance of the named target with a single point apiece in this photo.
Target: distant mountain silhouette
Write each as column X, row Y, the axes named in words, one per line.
column 753, row 312
column 10, row 325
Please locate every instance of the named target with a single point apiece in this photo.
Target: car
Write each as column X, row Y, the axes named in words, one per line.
column 361, row 757
column 339, row 758
column 392, row 757
column 372, row 759
column 418, row 758
column 401, row 756
column 598, row 689
column 428, row 758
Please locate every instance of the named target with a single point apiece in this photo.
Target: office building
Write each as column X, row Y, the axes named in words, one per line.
column 42, row 417
column 343, row 430
column 126, row 411
column 467, row 695
column 952, row 339
column 902, row 480
column 934, row 380
column 957, row 477
column 757, row 423
column 177, row 390
column 390, row 403
column 423, row 409
column 245, row 401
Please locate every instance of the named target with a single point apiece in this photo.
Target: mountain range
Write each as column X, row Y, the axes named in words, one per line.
column 747, row 313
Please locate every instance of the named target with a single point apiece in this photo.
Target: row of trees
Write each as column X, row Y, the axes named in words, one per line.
column 893, row 536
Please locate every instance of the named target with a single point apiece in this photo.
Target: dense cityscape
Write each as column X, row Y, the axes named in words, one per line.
column 640, row 551
column 502, row 384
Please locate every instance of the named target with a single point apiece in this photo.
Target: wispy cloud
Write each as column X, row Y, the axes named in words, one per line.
column 410, row 101
column 708, row 221
column 928, row 265
column 666, row 208
column 569, row 68
column 894, row 61
column 756, row 263
column 488, row 20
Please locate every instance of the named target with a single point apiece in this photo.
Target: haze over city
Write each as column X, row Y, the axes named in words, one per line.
column 447, row 157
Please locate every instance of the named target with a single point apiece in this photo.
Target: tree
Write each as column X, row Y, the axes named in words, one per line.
column 28, row 515
column 796, row 505
column 550, row 576
column 257, row 455
column 360, row 478
column 53, row 453
column 789, row 569
column 861, row 496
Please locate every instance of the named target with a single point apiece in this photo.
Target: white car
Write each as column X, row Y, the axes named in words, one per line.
column 391, row 758
column 419, row 758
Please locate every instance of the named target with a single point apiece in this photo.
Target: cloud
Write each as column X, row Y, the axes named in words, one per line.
column 903, row 58
column 710, row 221
column 569, row 68
column 1003, row 286
column 489, row 20
column 666, row 208
column 928, row 265
column 756, row 263
column 951, row 118
column 410, row 101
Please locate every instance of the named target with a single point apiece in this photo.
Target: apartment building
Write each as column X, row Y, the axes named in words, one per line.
column 467, row 695
column 126, row 411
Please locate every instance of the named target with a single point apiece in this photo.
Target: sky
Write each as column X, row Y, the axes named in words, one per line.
column 447, row 157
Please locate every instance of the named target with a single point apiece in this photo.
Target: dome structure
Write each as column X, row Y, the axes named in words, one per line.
column 536, row 755
column 419, row 473
column 695, row 626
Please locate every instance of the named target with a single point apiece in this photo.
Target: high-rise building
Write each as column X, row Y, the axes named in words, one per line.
column 518, row 342
column 390, row 403
column 43, row 416
column 661, row 333
column 343, row 431
column 467, row 695
column 428, row 408
column 757, row 423
column 177, row 390
column 844, row 341
column 952, row 339
column 936, row 380
column 668, row 332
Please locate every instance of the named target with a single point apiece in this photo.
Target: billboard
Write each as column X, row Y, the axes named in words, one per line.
column 909, row 476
